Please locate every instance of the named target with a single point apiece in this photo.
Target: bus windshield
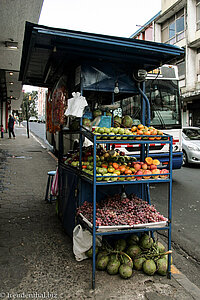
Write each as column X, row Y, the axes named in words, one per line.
column 164, row 101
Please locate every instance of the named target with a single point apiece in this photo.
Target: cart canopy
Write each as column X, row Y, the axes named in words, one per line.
column 50, row 52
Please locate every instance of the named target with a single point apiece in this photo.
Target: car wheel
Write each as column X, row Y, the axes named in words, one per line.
column 185, row 159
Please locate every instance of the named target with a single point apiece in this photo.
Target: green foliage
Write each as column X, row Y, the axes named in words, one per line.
column 28, row 105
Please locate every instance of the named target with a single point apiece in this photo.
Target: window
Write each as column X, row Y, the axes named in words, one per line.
column 173, row 28
column 198, row 14
column 181, row 69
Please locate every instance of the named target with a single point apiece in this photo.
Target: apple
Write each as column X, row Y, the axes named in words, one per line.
column 164, row 171
column 144, row 166
column 106, row 130
column 155, row 171
column 115, row 130
column 101, row 130
column 75, row 163
column 139, row 173
column 147, row 172
column 121, row 131
column 137, row 166
column 99, row 178
column 152, row 167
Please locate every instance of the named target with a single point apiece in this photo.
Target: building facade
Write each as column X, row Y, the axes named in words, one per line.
column 178, row 23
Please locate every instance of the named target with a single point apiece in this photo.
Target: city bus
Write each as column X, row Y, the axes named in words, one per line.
column 162, row 89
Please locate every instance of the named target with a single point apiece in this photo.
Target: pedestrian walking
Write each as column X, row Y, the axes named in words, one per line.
column 11, row 123
column 2, row 131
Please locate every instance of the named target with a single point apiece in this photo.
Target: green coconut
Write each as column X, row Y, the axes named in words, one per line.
column 161, row 247
column 102, row 262
column 101, row 253
column 90, row 252
column 120, row 245
column 166, row 258
column 113, row 256
column 125, row 260
column 161, row 266
column 133, row 251
column 138, row 262
column 125, row 271
column 117, row 121
column 146, row 242
column 127, row 121
column 133, row 239
column 113, row 267
column 149, row 267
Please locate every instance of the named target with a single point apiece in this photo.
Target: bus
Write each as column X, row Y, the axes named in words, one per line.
column 162, row 90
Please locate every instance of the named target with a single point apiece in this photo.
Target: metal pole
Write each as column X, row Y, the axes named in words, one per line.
column 27, row 127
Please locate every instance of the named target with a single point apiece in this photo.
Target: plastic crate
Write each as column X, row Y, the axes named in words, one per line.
column 105, row 121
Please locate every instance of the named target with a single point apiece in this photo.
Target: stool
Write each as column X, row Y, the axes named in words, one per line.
column 49, row 184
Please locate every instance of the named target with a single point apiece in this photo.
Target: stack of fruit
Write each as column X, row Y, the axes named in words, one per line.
column 138, row 253
column 115, row 211
column 139, row 132
column 116, row 166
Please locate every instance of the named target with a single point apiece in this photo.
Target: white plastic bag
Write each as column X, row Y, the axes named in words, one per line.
column 76, row 105
column 82, row 241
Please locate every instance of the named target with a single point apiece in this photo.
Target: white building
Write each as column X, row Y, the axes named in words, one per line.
column 178, row 23
column 41, row 102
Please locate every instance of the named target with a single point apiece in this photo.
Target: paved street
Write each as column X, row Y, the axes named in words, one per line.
column 185, row 217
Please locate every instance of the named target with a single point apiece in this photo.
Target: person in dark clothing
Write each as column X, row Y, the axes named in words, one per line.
column 11, row 123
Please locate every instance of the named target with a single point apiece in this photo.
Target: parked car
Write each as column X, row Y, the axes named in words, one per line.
column 191, row 145
column 41, row 119
column 32, row 119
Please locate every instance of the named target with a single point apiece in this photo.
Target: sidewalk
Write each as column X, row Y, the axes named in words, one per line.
column 36, row 258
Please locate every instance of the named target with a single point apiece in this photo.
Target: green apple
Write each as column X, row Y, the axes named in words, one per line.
column 104, row 170
column 98, row 164
column 115, row 130
column 96, row 129
column 90, row 167
column 111, row 136
column 104, row 136
column 106, row 130
column 90, row 158
column 99, row 178
column 127, row 131
column 114, row 177
column 121, row 131
column 118, row 137
column 101, row 130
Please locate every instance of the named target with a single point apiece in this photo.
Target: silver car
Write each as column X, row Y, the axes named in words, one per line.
column 191, row 145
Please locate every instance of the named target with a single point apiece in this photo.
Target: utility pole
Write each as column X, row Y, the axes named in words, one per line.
column 27, row 127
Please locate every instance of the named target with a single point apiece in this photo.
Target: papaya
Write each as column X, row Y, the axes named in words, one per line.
column 149, row 160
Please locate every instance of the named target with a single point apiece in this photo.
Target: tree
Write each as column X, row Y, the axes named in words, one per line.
column 29, row 103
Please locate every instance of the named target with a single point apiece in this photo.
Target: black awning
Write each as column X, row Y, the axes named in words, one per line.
column 47, row 51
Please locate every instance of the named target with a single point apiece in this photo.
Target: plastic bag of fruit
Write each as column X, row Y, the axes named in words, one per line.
column 82, row 241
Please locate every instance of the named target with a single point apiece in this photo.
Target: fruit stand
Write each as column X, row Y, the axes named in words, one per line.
column 105, row 70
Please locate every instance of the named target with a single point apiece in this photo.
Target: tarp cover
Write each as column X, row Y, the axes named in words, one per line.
column 102, row 77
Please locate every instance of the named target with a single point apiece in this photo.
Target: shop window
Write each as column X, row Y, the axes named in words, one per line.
column 173, row 30
column 181, row 70
column 198, row 14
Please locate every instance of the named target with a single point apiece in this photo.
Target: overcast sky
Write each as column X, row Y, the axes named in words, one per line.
column 111, row 17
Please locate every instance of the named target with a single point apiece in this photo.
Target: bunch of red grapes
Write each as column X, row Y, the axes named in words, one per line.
column 116, row 211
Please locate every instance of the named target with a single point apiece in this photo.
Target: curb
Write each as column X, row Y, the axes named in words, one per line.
column 190, row 287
